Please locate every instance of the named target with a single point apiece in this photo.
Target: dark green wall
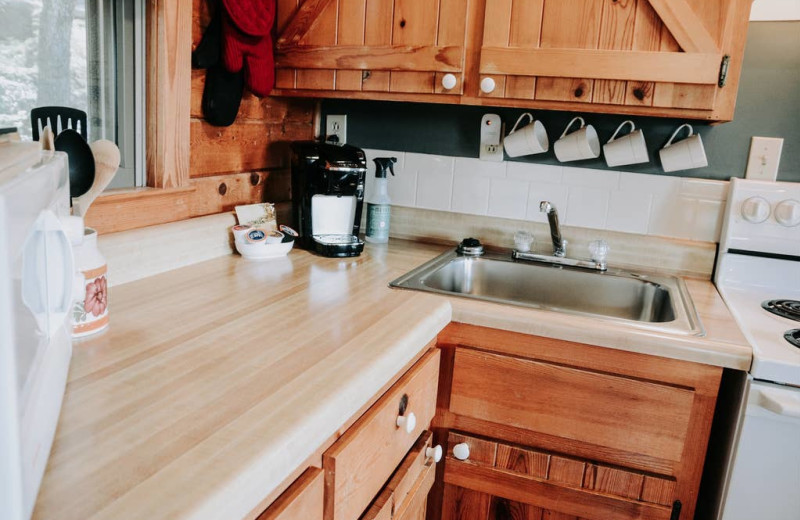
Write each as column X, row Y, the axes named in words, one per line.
column 768, row 105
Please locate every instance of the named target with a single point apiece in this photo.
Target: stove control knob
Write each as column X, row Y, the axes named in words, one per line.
column 787, row 213
column 755, row 210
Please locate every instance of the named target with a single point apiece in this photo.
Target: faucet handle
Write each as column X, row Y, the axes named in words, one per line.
column 523, row 241
column 599, row 250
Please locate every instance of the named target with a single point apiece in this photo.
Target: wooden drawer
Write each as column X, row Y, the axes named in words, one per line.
column 500, row 477
column 406, row 493
column 628, row 421
column 303, row 499
column 362, row 460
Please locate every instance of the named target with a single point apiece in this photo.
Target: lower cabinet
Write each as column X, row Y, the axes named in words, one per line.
column 551, row 429
column 303, row 499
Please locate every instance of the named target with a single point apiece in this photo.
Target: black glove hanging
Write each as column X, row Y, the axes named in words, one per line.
column 222, row 93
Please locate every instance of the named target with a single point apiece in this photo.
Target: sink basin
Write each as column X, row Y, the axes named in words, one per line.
column 651, row 301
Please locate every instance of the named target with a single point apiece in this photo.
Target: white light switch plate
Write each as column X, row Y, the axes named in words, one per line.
column 765, row 155
column 336, row 125
column 491, row 138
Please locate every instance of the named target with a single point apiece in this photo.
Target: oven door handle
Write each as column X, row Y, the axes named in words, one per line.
column 778, row 403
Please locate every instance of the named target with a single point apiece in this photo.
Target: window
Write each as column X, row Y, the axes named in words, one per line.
column 85, row 54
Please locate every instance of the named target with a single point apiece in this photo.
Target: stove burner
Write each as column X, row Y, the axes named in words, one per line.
column 783, row 308
column 793, row 337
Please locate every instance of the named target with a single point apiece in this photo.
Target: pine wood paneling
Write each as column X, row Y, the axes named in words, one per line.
column 285, row 78
column 378, row 31
column 303, row 499
column 322, row 32
column 569, row 24
column 415, row 23
column 350, row 31
column 646, row 37
column 616, row 32
column 464, row 504
column 525, row 32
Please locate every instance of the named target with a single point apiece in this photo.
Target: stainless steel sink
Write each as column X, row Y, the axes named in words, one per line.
column 644, row 300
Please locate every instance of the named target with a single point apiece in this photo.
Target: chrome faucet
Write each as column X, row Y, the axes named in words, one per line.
column 559, row 244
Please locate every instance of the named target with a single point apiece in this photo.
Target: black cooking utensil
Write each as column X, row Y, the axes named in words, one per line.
column 81, row 161
column 69, row 118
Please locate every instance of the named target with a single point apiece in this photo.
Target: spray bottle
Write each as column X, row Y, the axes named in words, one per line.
column 378, row 208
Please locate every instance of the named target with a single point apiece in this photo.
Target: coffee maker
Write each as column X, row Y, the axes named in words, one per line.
column 328, row 196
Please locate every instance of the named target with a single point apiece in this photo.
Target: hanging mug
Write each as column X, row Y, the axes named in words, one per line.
column 580, row 144
column 685, row 154
column 628, row 149
column 528, row 140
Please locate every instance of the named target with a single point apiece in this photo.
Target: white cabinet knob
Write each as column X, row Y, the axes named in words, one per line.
column 487, row 85
column 755, row 210
column 787, row 213
column 407, row 422
column 434, row 453
column 461, row 451
column 449, row 81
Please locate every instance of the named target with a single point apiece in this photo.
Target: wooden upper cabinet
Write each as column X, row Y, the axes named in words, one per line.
column 649, row 57
column 380, row 46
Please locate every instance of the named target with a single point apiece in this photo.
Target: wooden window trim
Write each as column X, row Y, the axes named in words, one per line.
column 168, row 193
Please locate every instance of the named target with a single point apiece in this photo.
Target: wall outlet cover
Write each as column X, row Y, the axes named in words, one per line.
column 491, row 147
column 765, row 155
column 336, row 125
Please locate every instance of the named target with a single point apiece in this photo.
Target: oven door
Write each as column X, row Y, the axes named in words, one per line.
column 766, row 470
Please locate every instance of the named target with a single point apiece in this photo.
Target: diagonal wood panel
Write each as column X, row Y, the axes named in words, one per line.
column 301, row 22
column 686, row 27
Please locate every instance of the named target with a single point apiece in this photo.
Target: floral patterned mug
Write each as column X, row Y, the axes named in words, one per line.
column 90, row 315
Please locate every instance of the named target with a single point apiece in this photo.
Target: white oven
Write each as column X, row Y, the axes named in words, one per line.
column 37, row 283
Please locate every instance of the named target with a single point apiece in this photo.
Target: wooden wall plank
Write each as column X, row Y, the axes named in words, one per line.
column 691, row 32
column 378, row 31
column 285, row 78
column 616, row 32
column 415, row 23
column 322, row 32
column 352, row 15
column 646, row 37
column 169, row 31
column 525, row 31
column 568, row 24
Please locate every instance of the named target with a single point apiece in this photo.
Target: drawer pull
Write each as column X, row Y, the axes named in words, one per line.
column 434, row 453
column 449, row 81
column 407, row 422
column 488, row 85
column 461, row 451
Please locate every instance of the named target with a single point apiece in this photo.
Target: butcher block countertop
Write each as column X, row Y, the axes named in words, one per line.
column 217, row 382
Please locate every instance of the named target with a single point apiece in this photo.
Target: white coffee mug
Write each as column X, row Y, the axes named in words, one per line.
column 683, row 155
column 628, row 149
column 580, row 144
column 529, row 140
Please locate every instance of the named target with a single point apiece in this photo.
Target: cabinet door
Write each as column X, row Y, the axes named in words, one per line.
column 399, row 46
column 303, row 499
column 651, row 53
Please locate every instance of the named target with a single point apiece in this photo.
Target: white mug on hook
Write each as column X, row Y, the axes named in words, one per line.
column 628, row 149
column 528, row 140
column 683, row 155
column 580, row 144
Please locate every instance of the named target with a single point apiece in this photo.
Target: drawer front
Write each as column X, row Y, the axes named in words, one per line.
column 550, row 485
column 362, row 460
column 303, row 499
column 604, row 411
column 407, row 489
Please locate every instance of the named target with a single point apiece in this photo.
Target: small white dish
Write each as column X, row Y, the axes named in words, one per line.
column 263, row 251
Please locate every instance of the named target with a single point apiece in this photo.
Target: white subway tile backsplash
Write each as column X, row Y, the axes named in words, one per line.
column 470, row 193
column 556, row 194
column 708, row 220
column 629, row 211
column 588, row 177
column 481, row 168
column 617, row 201
column 533, row 172
column 587, row 207
column 704, row 189
column 508, row 198
column 434, row 180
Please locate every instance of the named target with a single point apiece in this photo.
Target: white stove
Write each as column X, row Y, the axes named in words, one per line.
column 758, row 276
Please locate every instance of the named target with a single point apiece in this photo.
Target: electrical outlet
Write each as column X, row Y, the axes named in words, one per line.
column 765, row 155
column 491, row 138
column 336, row 125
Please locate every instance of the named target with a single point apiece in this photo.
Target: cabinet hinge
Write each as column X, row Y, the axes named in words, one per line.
column 723, row 70
column 676, row 510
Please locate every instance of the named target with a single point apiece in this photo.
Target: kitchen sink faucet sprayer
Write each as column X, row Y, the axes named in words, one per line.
column 559, row 244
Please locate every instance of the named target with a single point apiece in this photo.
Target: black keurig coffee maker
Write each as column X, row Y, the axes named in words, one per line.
column 327, row 197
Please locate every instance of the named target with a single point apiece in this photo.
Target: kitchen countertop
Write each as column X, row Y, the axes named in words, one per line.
column 219, row 380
